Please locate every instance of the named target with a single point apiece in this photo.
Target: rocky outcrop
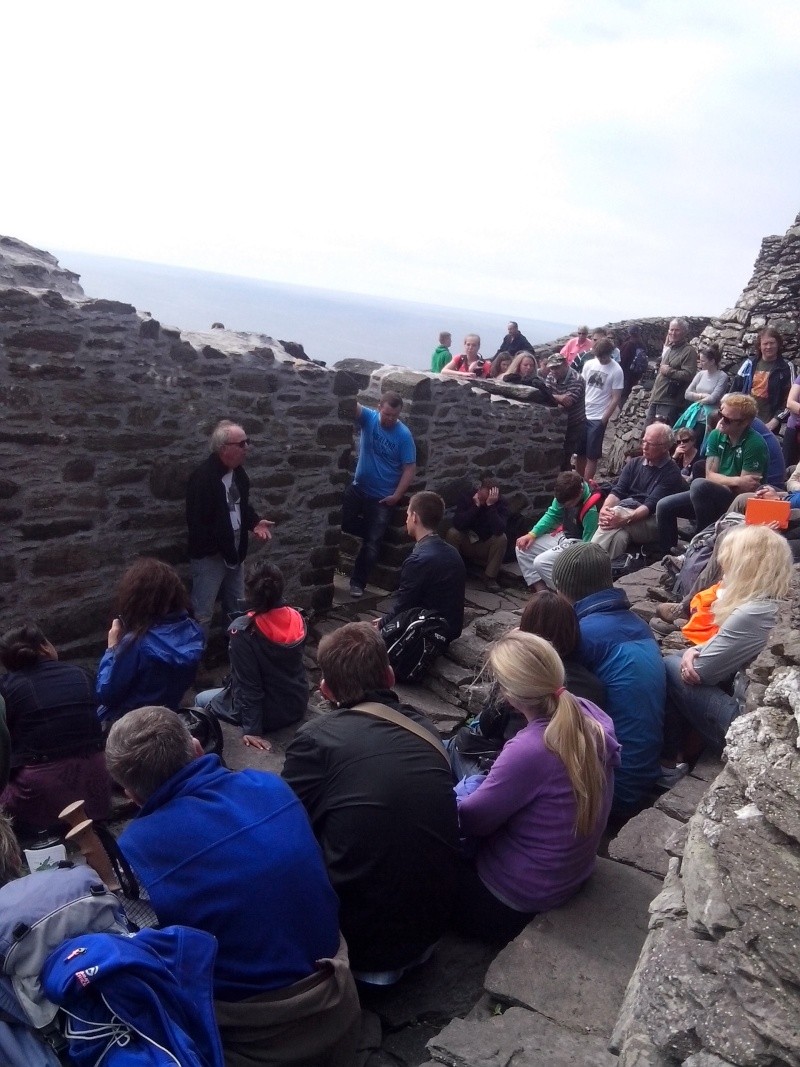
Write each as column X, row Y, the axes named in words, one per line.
column 29, row 267
column 770, row 298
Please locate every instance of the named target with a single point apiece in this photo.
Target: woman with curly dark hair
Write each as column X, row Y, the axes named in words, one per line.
column 154, row 645
column 56, row 741
column 268, row 686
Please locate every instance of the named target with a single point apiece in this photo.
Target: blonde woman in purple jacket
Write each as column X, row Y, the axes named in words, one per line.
column 536, row 819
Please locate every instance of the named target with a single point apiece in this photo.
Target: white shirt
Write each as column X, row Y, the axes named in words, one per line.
column 234, row 506
column 601, row 380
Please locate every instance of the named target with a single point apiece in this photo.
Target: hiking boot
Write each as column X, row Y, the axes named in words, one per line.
column 356, row 590
column 670, row 612
column 670, row 776
column 663, row 629
column 491, row 585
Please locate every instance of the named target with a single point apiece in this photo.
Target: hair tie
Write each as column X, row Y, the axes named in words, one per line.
column 559, row 691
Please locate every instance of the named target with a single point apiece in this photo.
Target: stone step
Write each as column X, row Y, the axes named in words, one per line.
column 519, row 1037
column 642, row 841
column 443, row 714
column 573, row 964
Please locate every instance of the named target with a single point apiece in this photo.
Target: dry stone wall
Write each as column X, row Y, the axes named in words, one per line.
column 105, row 412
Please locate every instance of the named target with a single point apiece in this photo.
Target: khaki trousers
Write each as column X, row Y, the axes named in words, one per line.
column 616, row 542
column 491, row 552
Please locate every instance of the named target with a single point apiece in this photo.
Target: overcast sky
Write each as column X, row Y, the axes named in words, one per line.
column 564, row 161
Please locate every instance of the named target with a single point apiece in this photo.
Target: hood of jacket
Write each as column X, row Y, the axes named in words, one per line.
column 176, row 641
column 282, row 625
column 607, row 601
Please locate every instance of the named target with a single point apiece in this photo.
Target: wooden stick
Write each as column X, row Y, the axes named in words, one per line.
column 90, row 845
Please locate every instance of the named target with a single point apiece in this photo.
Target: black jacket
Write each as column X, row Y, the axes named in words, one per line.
column 51, row 710
column 208, row 516
column 433, row 576
column 382, row 807
column 514, row 345
column 268, row 688
column 485, row 522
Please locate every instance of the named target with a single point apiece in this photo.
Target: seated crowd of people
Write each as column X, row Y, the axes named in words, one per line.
column 344, row 871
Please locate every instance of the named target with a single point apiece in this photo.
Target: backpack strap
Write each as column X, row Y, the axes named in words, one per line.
column 381, row 711
column 589, row 503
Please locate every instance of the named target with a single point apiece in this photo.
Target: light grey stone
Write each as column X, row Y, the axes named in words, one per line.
column 519, row 1037
column 469, row 651
column 490, row 627
column 572, row 964
column 641, row 842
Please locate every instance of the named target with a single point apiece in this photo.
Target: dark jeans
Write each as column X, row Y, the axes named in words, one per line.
column 574, row 444
column 479, row 914
column 706, row 708
column 365, row 518
column 705, row 502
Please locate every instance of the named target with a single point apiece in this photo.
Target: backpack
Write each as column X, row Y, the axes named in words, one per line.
column 413, row 641
column 639, row 363
column 204, row 726
column 37, row 913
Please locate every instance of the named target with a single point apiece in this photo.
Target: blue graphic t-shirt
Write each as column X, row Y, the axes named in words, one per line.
column 382, row 455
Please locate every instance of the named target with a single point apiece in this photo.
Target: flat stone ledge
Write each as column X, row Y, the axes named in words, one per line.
column 519, row 1037
column 641, row 843
column 574, row 963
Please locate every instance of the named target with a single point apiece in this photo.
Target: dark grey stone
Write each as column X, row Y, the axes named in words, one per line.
column 519, row 1037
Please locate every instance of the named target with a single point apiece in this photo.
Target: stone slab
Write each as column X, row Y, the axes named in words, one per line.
column 573, row 964
column 519, row 1037
column 681, row 801
column 642, row 842
column 481, row 598
column 441, row 712
column 468, row 651
column 707, row 768
column 449, row 984
column 490, row 627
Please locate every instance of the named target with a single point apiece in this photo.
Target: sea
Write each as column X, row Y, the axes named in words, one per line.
column 330, row 325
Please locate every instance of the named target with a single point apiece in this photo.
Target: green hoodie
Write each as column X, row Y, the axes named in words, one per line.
column 440, row 358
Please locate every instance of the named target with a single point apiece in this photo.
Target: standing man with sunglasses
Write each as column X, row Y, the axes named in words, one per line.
column 219, row 516
column 736, row 462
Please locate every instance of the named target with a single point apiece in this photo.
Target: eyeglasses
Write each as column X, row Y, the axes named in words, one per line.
column 727, row 418
column 238, row 444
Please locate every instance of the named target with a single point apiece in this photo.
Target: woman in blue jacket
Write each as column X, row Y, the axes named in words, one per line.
column 154, row 645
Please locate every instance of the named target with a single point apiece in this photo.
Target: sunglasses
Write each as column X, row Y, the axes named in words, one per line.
column 685, row 440
column 727, row 418
column 238, row 444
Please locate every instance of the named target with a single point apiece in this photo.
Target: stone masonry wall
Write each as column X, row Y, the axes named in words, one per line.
column 105, row 412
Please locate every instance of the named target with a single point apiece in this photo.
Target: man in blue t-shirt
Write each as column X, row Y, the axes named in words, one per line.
column 386, row 467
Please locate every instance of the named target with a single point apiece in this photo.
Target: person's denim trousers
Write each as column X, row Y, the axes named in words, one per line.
column 212, row 577
column 364, row 517
column 706, row 708
column 705, row 502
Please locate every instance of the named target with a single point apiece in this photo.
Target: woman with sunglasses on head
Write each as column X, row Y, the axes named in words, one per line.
column 154, row 645
column 536, row 819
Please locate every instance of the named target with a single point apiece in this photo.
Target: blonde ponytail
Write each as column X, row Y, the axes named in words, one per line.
column 530, row 672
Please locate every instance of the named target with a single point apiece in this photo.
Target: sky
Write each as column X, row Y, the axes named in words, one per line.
column 558, row 160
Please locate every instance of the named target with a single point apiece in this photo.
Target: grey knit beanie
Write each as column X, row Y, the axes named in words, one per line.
column 581, row 570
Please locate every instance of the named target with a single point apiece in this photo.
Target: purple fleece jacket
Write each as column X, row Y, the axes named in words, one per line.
column 523, row 816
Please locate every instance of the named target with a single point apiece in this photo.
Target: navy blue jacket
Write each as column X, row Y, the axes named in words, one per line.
column 621, row 650
column 433, row 576
column 648, row 484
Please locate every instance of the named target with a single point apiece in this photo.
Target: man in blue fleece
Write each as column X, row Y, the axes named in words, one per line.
column 233, row 854
column 620, row 649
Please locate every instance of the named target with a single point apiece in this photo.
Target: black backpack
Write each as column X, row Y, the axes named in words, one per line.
column 639, row 363
column 413, row 641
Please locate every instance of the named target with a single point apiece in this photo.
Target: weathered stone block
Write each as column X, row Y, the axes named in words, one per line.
column 334, row 433
column 45, row 340
column 642, row 842
column 42, row 531
column 554, row 969
column 8, row 488
column 80, row 469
